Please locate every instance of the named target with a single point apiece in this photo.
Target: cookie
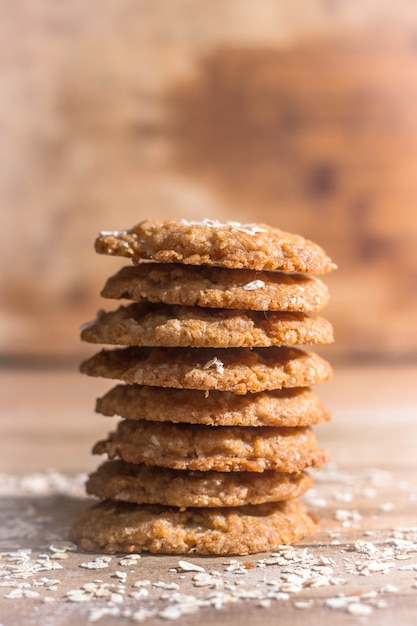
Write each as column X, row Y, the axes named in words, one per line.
column 231, row 245
column 221, row 448
column 239, row 370
column 148, row 324
column 121, row 527
column 282, row 407
column 146, row 484
column 216, row 287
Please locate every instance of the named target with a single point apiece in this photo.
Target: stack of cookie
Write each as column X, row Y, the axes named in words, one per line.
column 215, row 437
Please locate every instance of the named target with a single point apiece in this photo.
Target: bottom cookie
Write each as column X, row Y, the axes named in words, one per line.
column 111, row 527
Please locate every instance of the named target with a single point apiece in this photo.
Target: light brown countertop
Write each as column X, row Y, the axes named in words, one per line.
column 365, row 501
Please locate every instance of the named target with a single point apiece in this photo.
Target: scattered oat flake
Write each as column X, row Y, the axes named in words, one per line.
column 97, row 613
column 366, row 547
column 386, row 507
column 403, row 557
column 381, row 604
column 340, row 602
column 187, row 566
column 168, row 586
column 22, row 593
column 130, row 559
column 303, row 604
column 176, row 611
column 65, row 546
column 203, row 579
column 78, row 595
column 112, row 233
column 253, row 285
column 215, row 362
column 138, row 595
column 342, row 515
column 142, row 614
column 98, row 563
column 359, row 610
column 142, row 583
column 48, row 600
column 59, row 556
column 218, row 599
column 375, row 566
column 236, row 567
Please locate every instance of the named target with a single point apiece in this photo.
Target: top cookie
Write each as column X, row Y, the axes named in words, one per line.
column 232, row 245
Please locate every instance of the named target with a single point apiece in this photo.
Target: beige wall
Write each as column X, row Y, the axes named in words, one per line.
column 302, row 115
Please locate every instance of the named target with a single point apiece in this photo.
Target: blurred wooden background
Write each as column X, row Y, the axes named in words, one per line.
column 302, row 115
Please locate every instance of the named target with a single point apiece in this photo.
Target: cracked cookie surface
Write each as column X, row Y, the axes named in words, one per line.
column 232, row 245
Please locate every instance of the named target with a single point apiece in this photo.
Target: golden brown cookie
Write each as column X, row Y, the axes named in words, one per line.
column 239, row 370
column 216, row 287
column 148, row 324
column 121, row 527
column 221, row 448
column 232, row 245
column 281, row 407
column 147, row 484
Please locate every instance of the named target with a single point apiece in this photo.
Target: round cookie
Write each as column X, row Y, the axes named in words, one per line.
column 216, row 287
column 146, row 484
column 239, row 370
column 281, row 407
column 121, row 527
column 148, row 324
column 221, row 448
column 232, row 245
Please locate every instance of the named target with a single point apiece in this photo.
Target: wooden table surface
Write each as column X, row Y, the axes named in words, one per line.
column 359, row 568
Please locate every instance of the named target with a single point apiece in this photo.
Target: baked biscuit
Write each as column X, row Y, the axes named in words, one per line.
column 145, row 484
column 221, row 448
column 239, row 370
column 165, row 325
column 121, row 527
column 281, row 407
column 231, row 245
column 216, row 287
